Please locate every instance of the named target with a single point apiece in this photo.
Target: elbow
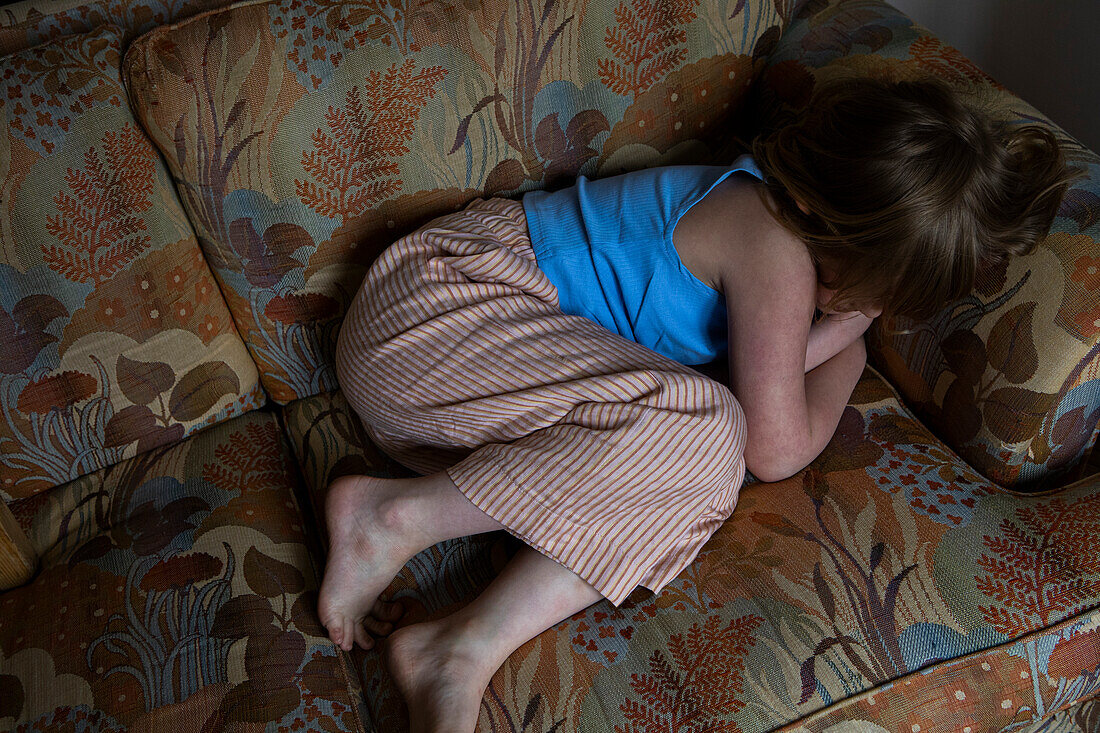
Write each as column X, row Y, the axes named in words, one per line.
column 771, row 473
column 769, row 464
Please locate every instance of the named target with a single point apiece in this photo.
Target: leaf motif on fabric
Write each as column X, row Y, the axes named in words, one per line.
column 965, row 355
column 322, row 676
column 1071, row 434
column 779, row 524
column 933, row 55
column 965, row 419
column 254, row 702
column 273, row 656
column 99, row 229
column 890, row 427
column 148, row 530
column 828, row 601
column 850, row 447
column 200, row 389
column 700, row 686
column 265, row 263
column 36, row 312
column 270, row 577
column 303, row 614
column 23, row 332
column 242, row 616
column 1042, row 566
column 1014, row 414
column 128, row 424
column 143, row 381
column 355, row 164
column 1011, row 349
column 644, row 44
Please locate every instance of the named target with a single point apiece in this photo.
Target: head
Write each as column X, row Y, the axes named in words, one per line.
column 903, row 191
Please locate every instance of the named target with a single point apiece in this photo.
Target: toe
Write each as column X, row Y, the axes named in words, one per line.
column 377, row 626
column 335, row 630
column 348, row 636
column 388, row 611
column 362, row 638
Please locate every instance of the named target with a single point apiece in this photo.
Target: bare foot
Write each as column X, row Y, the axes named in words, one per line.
column 442, row 673
column 367, row 547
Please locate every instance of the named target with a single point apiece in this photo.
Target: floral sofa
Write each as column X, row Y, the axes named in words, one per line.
column 189, row 197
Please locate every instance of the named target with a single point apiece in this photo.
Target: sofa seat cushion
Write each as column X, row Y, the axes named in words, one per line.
column 114, row 335
column 324, row 132
column 1084, row 717
column 1009, row 376
column 887, row 571
column 176, row 591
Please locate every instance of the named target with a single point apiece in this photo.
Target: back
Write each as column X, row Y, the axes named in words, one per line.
column 606, row 244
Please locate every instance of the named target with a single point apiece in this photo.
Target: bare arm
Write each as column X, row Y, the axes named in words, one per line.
column 832, row 334
column 791, row 414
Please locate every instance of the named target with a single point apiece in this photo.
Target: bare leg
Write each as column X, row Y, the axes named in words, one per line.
column 442, row 667
column 375, row 526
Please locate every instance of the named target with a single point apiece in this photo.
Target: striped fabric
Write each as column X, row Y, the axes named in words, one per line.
column 611, row 459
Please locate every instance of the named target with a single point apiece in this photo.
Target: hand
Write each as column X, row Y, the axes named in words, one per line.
column 871, row 309
column 831, row 335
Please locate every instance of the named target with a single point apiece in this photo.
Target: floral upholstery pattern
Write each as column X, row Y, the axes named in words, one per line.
column 31, row 22
column 1081, row 718
column 116, row 338
column 180, row 594
column 895, row 584
column 1009, row 376
column 316, row 138
column 886, row 575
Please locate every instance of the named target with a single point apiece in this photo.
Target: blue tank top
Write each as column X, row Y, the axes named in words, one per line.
column 606, row 244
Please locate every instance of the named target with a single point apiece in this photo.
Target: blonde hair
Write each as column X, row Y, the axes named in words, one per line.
column 910, row 190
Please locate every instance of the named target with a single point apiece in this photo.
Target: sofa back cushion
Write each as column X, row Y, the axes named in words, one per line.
column 24, row 24
column 114, row 337
column 307, row 136
column 1007, row 376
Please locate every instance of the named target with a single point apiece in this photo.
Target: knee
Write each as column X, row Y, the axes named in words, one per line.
column 342, row 359
column 716, row 420
column 724, row 418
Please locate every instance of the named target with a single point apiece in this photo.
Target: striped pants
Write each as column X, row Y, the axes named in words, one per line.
column 613, row 460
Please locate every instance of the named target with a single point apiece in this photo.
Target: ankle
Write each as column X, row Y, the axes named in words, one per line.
column 435, row 509
column 476, row 637
column 401, row 512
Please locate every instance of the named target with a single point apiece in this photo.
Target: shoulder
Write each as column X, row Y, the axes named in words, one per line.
column 761, row 255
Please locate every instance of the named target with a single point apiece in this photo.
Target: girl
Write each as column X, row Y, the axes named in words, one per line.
column 530, row 359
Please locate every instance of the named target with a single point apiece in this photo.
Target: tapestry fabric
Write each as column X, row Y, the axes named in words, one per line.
column 1009, row 385
column 115, row 336
column 31, row 22
column 1084, row 717
column 176, row 591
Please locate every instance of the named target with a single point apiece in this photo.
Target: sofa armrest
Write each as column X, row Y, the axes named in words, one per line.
column 17, row 557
